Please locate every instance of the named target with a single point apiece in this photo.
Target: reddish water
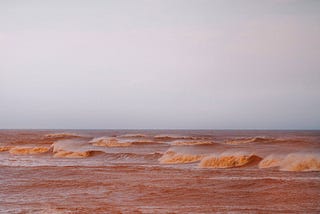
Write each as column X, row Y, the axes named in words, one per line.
column 70, row 171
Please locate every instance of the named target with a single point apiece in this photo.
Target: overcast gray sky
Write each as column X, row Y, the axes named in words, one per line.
column 160, row 64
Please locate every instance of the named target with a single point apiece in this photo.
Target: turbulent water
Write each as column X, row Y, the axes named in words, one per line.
column 128, row 171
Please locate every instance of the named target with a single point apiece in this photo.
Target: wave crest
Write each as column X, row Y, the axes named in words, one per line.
column 109, row 142
column 28, row 150
column 5, row 148
column 175, row 137
column 190, row 143
column 172, row 157
column 72, row 154
column 249, row 140
column 246, row 140
column 229, row 160
column 133, row 136
column 62, row 135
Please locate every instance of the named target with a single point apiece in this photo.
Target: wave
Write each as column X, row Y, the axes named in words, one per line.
column 249, row 140
column 106, row 155
column 229, row 160
column 262, row 139
column 5, row 148
column 71, row 149
column 72, row 154
column 28, row 150
column 69, row 145
column 133, row 156
column 62, row 135
column 172, row 157
column 190, row 143
column 109, row 142
column 176, row 137
column 114, row 142
column 133, row 136
column 144, row 142
column 293, row 162
column 82, row 149
column 301, row 162
column 270, row 161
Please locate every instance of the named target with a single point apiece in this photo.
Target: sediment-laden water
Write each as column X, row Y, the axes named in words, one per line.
column 159, row 171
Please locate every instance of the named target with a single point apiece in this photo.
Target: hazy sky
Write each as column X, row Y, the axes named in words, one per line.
column 160, row 64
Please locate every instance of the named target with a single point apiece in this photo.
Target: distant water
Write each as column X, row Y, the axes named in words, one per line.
column 159, row 171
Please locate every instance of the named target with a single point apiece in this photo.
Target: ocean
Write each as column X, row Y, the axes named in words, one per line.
column 159, row 171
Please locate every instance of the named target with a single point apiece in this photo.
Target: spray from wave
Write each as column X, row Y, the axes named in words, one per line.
column 301, row 162
column 293, row 162
column 270, row 161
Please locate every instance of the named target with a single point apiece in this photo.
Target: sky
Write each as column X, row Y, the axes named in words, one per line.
column 160, row 64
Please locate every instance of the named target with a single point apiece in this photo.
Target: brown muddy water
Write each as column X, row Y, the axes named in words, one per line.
column 159, row 171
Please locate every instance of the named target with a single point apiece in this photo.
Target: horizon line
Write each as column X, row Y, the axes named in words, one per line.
column 173, row 129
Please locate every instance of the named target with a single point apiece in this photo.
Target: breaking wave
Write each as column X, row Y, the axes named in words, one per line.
column 105, row 155
column 28, row 150
column 172, row 157
column 191, row 143
column 70, row 149
column 72, row 154
column 114, row 142
column 133, row 136
column 293, row 162
column 109, row 142
column 144, row 142
column 176, row 137
column 133, row 156
column 249, row 140
column 62, row 135
column 270, row 161
column 285, row 153
column 229, row 160
column 301, row 162
column 262, row 139
column 5, row 148
column 83, row 149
